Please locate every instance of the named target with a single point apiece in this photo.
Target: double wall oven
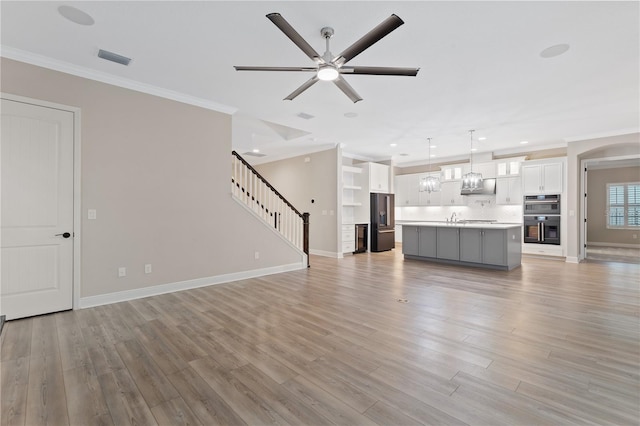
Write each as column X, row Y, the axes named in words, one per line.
column 542, row 219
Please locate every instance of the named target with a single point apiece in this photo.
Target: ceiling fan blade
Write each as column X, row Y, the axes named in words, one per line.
column 313, row 80
column 290, row 32
column 250, row 68
column 373, row 36
column 410, row 72
column 347, row 89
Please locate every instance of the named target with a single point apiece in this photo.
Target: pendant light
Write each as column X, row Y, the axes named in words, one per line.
column 430, row 183
column 472, row 181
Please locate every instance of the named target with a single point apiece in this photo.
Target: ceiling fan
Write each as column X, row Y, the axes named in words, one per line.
column 331, row 68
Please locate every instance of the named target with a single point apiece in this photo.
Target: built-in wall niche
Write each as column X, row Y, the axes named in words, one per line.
column 352, row 194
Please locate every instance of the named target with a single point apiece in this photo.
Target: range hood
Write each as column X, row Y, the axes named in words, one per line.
column 488, row 188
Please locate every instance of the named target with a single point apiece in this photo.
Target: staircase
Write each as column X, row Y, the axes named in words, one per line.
column 250, row 188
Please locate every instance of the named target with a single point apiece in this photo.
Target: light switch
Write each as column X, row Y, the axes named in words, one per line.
column 92, row 214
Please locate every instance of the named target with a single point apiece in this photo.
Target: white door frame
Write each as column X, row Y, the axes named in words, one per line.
column 582, row 252
column 77, row 180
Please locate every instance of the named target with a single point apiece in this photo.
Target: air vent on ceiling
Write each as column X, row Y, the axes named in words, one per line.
column 305, row 116
column 253, row 154
column 113, row 57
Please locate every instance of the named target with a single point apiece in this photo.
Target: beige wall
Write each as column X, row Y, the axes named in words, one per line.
column 597, row 181
column 300, row 182
column 576, row 152
column 158, row 173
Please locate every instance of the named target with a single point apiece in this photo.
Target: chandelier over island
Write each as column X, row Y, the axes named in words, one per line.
column 430, row 183
column 471, row 181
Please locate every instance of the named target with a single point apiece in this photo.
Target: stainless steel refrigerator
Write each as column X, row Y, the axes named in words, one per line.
column 382, row 222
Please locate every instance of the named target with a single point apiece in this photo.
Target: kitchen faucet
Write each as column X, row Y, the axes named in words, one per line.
column 453, row 217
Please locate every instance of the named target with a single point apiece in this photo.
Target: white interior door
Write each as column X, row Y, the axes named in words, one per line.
column 37, row 209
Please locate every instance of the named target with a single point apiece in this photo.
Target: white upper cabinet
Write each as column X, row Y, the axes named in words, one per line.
column 545, row 178
column 450, row 194
column 453, row 172
column 401, row 184
column 379, row 177
column 508, row 168
column 509, row 190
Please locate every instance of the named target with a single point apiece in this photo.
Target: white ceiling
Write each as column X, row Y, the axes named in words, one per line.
column 480, row 68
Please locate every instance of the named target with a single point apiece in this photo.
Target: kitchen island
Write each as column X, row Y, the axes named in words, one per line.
column 487, row 245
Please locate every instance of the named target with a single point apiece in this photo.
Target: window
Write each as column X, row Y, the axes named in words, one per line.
column 623, row 201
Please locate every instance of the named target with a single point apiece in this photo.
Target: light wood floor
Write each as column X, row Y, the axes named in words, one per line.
column 613, row 254
column 548, row 343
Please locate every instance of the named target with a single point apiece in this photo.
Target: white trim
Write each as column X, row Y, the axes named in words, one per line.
column 572, row 259
column 617, row 245
column 123, row 296
column 77, row 186
column 584, row 163
column 65, row 67
column 326, row 253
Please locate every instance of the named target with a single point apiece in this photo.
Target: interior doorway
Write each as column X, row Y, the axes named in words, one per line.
column 40, row 229
column 601, row 240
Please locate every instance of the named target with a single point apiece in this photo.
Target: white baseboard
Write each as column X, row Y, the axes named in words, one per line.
column 138, row 293
column 325, row 253
column 572, row 259
column 617, row 245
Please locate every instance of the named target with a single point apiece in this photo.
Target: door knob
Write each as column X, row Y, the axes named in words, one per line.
column 65, row 235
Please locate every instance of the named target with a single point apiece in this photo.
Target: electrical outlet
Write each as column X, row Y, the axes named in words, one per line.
column 92, row 214
column 147, row 268
column 256, row 255
column 122, row 272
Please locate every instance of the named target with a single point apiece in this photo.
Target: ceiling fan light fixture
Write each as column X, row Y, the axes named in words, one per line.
column 327, row 73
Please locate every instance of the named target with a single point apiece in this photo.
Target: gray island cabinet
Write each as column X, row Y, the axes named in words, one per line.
column 495, row 246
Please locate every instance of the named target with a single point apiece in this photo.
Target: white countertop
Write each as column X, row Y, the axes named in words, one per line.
column 493, row 225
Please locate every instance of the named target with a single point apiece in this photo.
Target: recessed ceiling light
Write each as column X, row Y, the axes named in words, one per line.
column 555, row 50
column 433, row 155
column 434, row 146
column 474, row 149
column 482, row 138
column 256, row 150
column 393, row 144
column 351, row 114
column 76, row 15
column 524, row 142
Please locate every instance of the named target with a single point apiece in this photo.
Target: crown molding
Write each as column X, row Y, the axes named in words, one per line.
column 65, row 67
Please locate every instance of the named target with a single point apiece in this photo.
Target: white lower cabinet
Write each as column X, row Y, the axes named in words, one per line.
column 348, row 238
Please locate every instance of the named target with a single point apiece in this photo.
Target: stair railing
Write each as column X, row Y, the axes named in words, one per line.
column 260, row 196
